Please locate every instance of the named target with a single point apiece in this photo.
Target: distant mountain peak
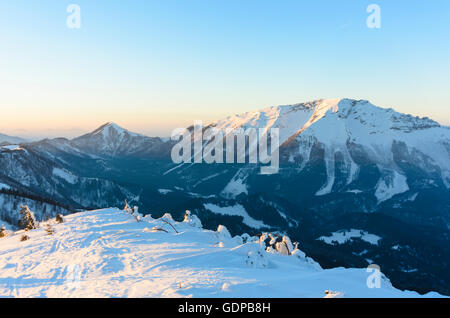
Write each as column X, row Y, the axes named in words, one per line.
column 111, row 127
column 11, row 139
column 112, row 139
column 114, row 125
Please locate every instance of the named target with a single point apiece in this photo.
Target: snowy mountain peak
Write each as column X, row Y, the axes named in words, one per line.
column 363, row 109
column 296, row 118
column 107, row 139
column 165, row 258
column 111, row 128
column 290, row 119
column 111, row 139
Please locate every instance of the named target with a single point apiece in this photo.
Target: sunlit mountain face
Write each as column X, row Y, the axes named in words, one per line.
column 357, row 184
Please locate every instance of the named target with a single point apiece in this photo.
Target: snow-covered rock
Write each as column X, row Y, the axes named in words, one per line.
column 223, row 234
column 192, row 219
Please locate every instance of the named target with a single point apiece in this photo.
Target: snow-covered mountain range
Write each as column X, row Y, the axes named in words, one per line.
column 346, row 166
column 108, row 253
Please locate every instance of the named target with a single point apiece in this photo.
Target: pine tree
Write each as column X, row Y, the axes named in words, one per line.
column 27, row 221
column 59, row 218
column 2, row 231
column 49, row 229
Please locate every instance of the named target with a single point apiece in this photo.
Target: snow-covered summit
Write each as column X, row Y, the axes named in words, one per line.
column 108, row 253
column 296, row 118
column 111, row 128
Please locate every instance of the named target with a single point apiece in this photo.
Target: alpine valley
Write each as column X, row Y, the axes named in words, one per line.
column 357, row 185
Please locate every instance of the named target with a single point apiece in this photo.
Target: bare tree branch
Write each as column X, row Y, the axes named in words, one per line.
column 167, row 222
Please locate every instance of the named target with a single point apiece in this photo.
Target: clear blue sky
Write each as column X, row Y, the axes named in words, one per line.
column 152, row 66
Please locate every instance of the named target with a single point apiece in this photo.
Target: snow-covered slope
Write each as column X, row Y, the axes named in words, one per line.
column 34, row 172
column 10, row 204
column 339, row 126
column 107, row 253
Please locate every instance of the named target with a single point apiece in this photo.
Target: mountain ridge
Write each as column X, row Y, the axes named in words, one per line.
column 11, row 139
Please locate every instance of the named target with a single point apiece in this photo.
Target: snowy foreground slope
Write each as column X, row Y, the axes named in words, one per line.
column 107, row 253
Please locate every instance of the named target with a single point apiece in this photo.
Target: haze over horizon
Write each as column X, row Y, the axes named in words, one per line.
column 152, row 66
